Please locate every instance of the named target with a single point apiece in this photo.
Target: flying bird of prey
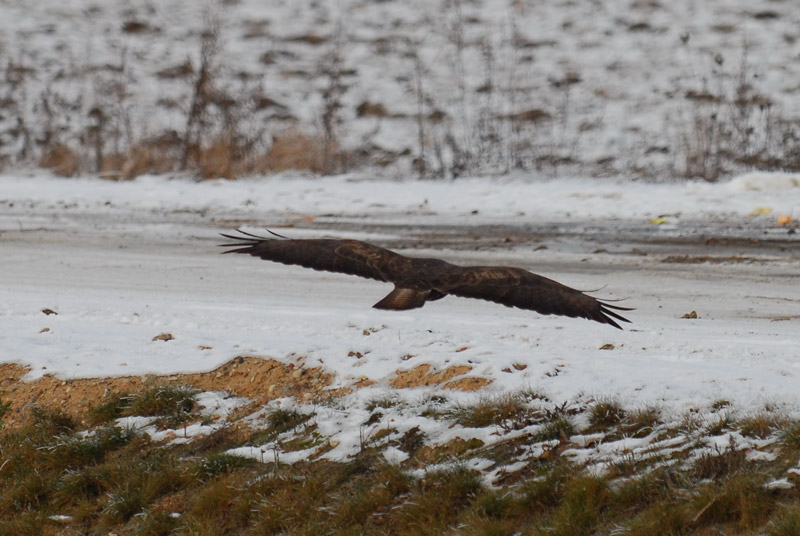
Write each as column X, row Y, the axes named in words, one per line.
column 418, row 280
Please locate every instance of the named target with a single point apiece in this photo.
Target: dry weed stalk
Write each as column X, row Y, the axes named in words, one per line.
column 420, row 163
column 734, row 127
column 333, row 67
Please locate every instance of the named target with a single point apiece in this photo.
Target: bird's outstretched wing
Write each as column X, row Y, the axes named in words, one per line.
column 515, row 287
column 344, row 256
column 420, row 280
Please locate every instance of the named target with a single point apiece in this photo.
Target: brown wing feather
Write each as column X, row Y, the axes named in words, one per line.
column 344, row 256
column 515, row 287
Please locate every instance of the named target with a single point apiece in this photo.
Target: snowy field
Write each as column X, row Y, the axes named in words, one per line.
column 603, row 87
column 123, row 262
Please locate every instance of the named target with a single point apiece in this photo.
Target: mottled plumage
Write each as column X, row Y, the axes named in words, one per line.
column 417, row 281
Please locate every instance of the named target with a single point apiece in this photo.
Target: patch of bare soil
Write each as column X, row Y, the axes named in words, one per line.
column 256, row 378
column 422, row 375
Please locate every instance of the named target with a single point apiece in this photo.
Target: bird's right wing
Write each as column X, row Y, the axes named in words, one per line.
column 331, row 255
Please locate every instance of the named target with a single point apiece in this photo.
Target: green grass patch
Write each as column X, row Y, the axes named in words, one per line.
column 279, row 421
column 384, row 402
column 560, row 428
column 5, row 407
column 220, row 463
column 790, row 435
column 173, row 404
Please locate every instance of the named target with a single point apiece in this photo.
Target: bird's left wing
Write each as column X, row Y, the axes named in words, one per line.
column 515, row 287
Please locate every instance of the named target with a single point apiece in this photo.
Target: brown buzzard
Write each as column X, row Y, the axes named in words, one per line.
column 417, row 281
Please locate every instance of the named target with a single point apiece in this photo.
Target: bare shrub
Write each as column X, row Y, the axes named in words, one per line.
column 202, row 88
column 733, row 126
column 420, row 163
column 109, row 132
column 61, row 160
column 147, row 157
column 481, row 121
column 332, row 68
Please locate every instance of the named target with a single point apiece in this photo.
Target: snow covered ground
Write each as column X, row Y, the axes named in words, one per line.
column 122, row 262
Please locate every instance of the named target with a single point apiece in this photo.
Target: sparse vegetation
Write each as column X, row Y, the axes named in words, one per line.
column 734, row 126
column 605, row 414
column 279, row 421
column 172, row 404
column 510, row 411
column 471, row 94
column 560, row 428
column 111, row 479
column 384, row 402
column 641, row 421
column 4, row 408
column 762, row 425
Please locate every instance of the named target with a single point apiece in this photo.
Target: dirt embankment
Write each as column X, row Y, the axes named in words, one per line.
column 256, row 378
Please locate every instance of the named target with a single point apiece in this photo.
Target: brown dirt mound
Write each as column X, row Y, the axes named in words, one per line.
column 422, row 375
column 253, row 377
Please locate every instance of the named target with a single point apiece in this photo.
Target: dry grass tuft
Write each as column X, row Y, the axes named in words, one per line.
column 641, row 422
column 510, row 411
column 559, row 428
column 762, row 425
column 790, row 435
column 605, row 414
column 739, row 500
column 61, row 160
column 294, row 150
column 506, row 411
